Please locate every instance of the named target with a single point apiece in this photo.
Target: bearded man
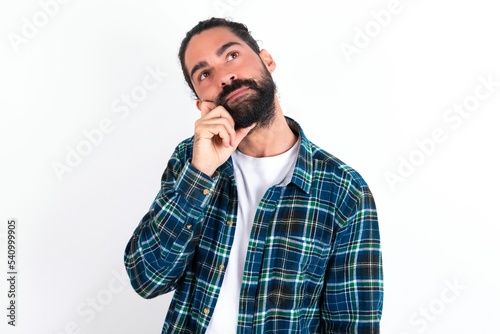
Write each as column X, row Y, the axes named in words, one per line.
column 255, row 228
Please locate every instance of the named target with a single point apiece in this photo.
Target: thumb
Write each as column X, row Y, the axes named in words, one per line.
column 241, row 134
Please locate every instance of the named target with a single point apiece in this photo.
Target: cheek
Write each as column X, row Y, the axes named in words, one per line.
column 256, row 71
column 208, row 93
column 249, row 69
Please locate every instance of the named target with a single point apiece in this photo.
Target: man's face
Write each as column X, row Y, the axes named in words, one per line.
column 226, row 71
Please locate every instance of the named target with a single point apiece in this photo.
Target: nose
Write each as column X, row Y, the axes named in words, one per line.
column 227, row 78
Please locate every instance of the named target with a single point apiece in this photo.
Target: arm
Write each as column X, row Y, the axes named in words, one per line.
column 354, row 281
column 163, row 244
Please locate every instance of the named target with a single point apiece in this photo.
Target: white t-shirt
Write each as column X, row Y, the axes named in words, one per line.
column 254, row 176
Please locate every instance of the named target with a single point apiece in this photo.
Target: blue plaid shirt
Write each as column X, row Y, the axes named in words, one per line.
column 314, row 262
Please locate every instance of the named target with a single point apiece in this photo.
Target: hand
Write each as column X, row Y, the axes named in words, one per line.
column 215, row 138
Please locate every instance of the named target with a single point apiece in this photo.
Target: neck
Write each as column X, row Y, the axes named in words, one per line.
column 271, row 140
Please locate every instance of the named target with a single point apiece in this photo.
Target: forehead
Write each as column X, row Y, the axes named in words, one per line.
column 205, row 44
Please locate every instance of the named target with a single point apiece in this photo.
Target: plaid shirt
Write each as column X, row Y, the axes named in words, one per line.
column 313, row 265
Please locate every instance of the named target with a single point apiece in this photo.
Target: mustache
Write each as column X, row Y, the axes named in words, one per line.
column 235, row 84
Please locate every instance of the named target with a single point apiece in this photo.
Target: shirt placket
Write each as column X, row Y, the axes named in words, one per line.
column 256, row 246
column 221, row 255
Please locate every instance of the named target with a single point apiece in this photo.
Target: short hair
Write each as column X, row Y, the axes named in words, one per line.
column 236, row 28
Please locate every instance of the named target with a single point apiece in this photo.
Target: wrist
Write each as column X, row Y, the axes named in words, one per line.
column 204, row 169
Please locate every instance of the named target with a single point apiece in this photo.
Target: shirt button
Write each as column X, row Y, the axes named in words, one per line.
column 206, row 311
column 206, row 192
column 229, row 223
column 222, row 267
column 189, row 226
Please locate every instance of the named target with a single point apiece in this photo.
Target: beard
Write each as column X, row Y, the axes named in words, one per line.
column 258, row 107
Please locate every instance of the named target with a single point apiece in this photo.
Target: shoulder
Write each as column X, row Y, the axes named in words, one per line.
column 342, row 187
column 326, row 164
column 318, row 164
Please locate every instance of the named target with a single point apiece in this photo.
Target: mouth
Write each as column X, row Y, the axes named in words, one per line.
column 237, row 93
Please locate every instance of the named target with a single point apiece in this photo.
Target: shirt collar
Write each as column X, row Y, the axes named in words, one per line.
column 302, row 173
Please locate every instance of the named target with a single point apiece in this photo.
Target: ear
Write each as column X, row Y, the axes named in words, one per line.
column 198, row 104
column 268, row 60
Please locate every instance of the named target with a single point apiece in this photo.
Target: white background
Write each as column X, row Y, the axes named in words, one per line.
column 439, row 219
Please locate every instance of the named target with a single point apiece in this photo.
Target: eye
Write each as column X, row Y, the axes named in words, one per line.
column 232, row 55
column 203, row 75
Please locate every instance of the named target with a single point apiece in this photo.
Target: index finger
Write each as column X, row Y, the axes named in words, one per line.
column 206, row 107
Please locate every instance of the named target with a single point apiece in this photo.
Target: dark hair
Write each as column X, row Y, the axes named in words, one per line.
column 236, row 28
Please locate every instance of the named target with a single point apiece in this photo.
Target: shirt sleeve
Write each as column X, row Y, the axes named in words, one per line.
column 163, row 244
column 354, row 280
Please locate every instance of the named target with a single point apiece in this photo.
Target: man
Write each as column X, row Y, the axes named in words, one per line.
column 256, row 229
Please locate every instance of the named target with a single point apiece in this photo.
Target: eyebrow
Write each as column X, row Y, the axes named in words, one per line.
column 218, row 53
